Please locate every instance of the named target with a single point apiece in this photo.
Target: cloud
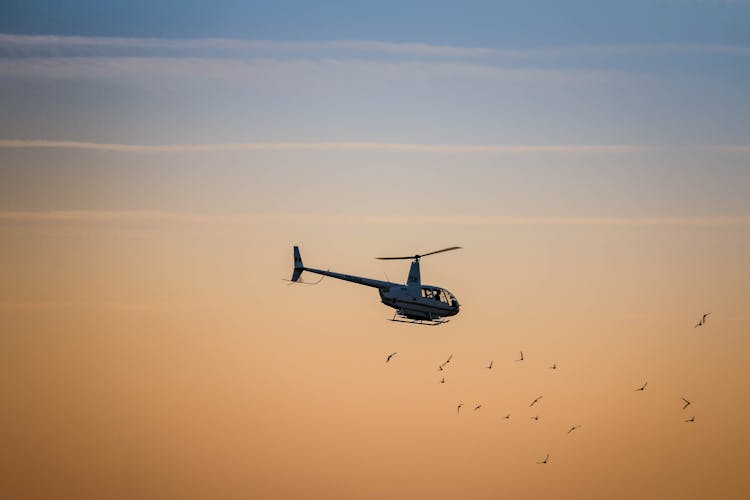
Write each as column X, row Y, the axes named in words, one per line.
column 317, row 146
column 302, row 72
column 333, row 146
column 33, row 45
column 145, row 60
column 71, row 216
column 123, row 305
column 728, row 149
column 66, row 46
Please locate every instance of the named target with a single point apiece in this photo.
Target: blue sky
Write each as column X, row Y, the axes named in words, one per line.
column 521, row 24
column 666, row 80
column 560, row 71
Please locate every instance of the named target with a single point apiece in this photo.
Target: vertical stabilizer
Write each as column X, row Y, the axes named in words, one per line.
column 298, row 267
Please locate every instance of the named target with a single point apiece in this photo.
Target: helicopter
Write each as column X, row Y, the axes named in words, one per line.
column 414, row 302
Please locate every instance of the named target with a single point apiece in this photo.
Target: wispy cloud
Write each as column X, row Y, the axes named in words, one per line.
column 122, row 305
column 146, row 59
column 318, row 146
column 728, row 149
column 33, row 45
column 300, row 71
column 51, row 45
column 71, row 216
column 333, row 146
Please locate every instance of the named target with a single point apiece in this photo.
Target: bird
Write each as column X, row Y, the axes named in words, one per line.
column 642, row 387
column 477, row 407
column 687, row 403
column 573, row 428
column 702, row 321
column 521, row 357
column 691, row 419
column 545, row 459
column 507, row 417
column 442, row 380
column 534, row 402
column 490, row 365
column 440, row 367
column 535, row 417
column 458, row 408
column 553, row 367
column 390, row 356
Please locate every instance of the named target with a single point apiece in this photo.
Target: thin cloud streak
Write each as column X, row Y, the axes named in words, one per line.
column 31, row 45
column 135, row 305
column 318, row 146
column 333, row 146
column 72, row 216
column 20, row 45
column 271, row 71
column 727, row 149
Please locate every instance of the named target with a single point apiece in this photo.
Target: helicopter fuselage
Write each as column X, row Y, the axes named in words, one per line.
column 429, row 303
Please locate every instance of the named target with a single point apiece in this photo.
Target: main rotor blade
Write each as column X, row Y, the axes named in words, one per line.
column 438, row 251
column 419, row 256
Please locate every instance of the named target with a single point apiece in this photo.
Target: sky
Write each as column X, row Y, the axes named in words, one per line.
column 158, row 161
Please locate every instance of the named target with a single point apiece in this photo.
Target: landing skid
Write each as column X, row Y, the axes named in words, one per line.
column 423, row 322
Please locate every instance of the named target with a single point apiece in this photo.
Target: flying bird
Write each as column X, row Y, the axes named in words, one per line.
column 490, row 365
column 535, row 417
column 534, row 402
column 573, row 428
column 521, row 359
column 545, row 459
column 390, row 356
column 553, row 367
column 691, row 419
column 442, row 380
column 687, row 403
column 458, row 408
column 642, row 387
column 477, row 407
column 445, row 362
column 702, row 321
column 507, row 417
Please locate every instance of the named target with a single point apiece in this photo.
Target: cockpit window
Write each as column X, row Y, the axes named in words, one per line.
column 436, row 294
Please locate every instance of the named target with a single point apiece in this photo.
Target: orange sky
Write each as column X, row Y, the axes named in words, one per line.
column 166, row 358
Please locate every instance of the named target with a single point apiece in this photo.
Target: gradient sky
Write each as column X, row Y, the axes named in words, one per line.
column 158, row 160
